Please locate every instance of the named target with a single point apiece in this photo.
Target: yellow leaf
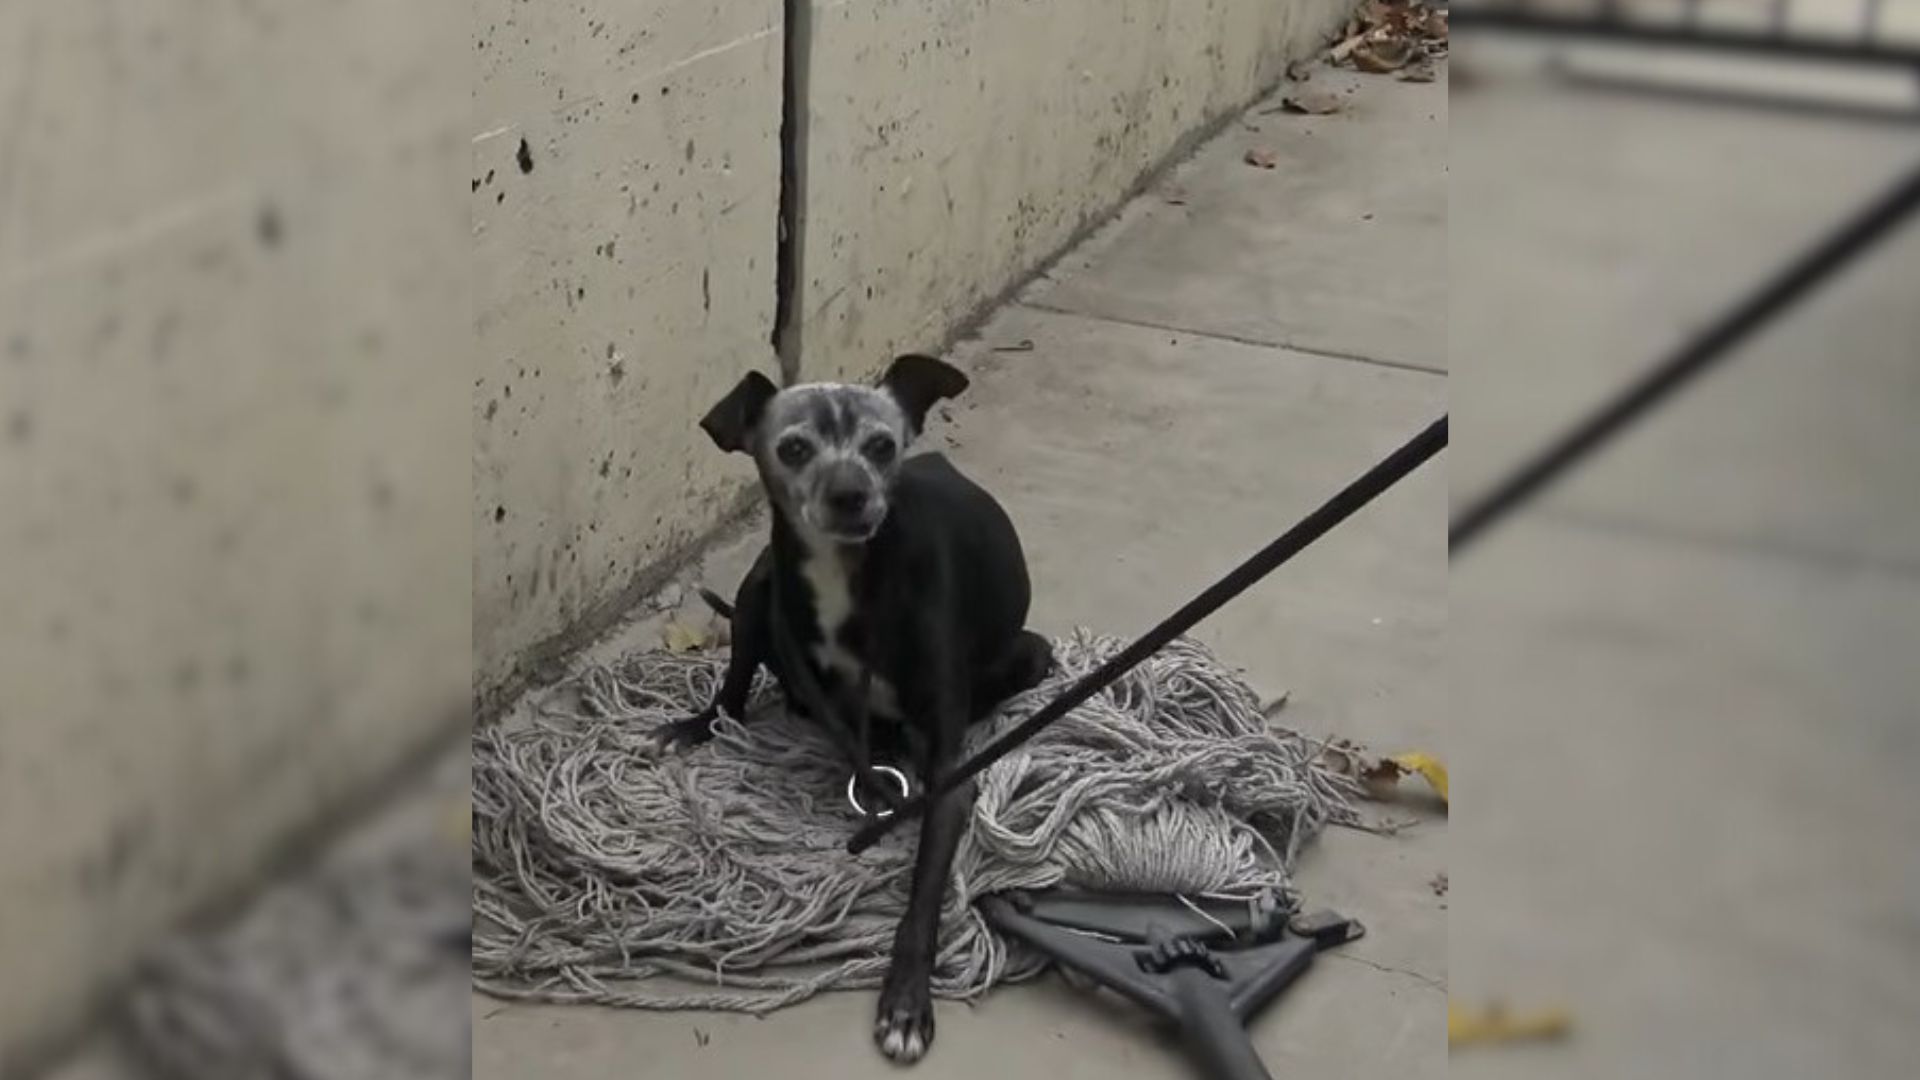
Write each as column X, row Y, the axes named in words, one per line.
column 1495, row 1025
column 679, row 637
column 1428, row 766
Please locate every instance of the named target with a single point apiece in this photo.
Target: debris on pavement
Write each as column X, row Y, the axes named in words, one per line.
column 1422, row 70
column 1387, row 36
column 1494, row 1025
column 1438, row 883
column 1311, row 100
column 1380, row 776
column 1383, row 55
column 1262, row 157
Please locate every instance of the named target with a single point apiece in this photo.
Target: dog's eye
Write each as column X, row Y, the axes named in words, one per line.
column 880, row 449
column 794, row 451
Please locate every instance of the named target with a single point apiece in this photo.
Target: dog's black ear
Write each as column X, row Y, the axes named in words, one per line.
column 916, row 382
column 730, row 424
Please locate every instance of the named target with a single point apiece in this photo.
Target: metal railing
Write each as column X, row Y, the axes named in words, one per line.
column 1859, row 31
column 1852, row 33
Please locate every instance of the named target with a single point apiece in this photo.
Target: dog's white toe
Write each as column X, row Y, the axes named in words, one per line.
column 903, row 1038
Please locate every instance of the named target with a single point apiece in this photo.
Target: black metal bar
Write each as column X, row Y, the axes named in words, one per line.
column 1792, row 284
column 1343, row 505
column 1870, row 49
column 1581, row 77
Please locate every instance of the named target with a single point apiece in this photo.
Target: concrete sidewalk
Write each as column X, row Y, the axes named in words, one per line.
column 1683, row 681
column 1239, row 344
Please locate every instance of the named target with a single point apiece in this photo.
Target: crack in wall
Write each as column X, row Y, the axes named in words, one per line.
column 790, row 238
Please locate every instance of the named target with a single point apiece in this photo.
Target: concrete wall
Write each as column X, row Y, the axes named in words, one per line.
column 954, row 143
column 625, row 269
column 629, row 278
column 234, row 549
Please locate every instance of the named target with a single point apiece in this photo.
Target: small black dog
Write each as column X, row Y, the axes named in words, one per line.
column 887, row 574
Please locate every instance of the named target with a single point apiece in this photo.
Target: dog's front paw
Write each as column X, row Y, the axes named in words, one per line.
column 903, row 1027
column 688, row 733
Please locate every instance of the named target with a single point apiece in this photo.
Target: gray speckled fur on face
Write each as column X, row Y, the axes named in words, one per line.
column 853, row 439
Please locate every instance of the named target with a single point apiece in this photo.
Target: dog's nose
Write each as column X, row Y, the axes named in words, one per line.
column 847, row 502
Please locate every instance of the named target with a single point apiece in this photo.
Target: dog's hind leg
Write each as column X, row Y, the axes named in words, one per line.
column 1024, row 665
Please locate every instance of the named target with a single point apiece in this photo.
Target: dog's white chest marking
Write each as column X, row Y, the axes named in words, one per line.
column 826, row 578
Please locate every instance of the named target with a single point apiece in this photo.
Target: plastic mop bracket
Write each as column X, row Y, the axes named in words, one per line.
column 1207, row 967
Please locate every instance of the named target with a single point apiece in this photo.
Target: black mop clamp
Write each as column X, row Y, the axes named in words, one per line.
column 1207, row 967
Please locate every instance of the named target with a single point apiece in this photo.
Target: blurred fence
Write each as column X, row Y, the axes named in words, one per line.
column 1871, row 31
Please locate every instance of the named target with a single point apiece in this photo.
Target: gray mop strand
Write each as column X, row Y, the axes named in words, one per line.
column 610, row 872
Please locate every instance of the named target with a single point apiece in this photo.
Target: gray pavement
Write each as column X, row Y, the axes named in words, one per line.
column 1683, row 685
column 1159, row 430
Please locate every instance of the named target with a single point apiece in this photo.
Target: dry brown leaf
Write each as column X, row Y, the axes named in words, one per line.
column 1396, row 17
column 1345, row 48
column 1381, row 777
column 1382, row 55
column 1386, row 35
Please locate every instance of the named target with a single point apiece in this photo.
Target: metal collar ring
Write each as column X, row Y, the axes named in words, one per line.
column 899, row 779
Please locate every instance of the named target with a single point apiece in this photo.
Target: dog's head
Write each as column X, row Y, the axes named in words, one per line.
column 828, row 452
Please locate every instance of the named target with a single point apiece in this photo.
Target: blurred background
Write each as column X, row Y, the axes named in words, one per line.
column 1684, row 681
column 234, row 463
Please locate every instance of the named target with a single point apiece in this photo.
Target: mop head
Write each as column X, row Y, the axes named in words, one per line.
column 608, row 871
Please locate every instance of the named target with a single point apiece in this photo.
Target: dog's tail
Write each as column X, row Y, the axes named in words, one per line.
column 716, row 602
